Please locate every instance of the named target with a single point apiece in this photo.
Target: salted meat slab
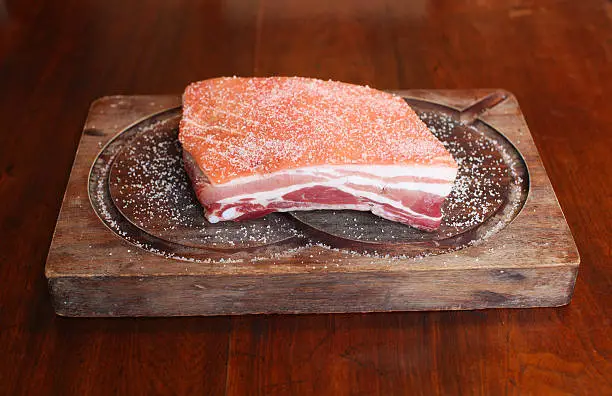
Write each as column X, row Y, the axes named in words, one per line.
column 253, row 146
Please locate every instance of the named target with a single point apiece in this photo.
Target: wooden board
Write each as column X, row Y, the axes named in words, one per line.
column 109, row 259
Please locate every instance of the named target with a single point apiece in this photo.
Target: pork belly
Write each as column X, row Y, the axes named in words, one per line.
column 253, row 146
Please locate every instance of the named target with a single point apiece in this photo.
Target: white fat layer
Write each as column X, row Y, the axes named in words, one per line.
column 230, row 213
column 381, row 171
column 441, row 189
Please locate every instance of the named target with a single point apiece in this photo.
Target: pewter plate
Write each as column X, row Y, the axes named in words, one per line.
column 140, row 190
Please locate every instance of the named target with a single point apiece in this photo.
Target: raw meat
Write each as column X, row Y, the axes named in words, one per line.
column 253, row 146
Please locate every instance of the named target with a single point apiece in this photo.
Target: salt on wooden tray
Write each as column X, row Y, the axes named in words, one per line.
column 143, row 177
column 150, row 187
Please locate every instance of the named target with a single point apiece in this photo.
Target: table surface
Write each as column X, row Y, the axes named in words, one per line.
column 57, row 57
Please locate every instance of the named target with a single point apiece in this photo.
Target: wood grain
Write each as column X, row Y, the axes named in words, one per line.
column 57, row 57
column 530, row 261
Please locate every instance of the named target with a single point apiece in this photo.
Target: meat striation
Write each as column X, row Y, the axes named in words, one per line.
column 253, row 146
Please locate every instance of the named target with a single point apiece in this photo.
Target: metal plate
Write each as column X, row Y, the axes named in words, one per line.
column 140, row 190
column 149, row 186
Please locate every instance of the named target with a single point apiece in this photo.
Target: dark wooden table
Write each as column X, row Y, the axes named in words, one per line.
column 58, row 56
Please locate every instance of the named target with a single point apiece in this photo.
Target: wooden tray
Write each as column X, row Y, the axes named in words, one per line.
column 129, row 242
